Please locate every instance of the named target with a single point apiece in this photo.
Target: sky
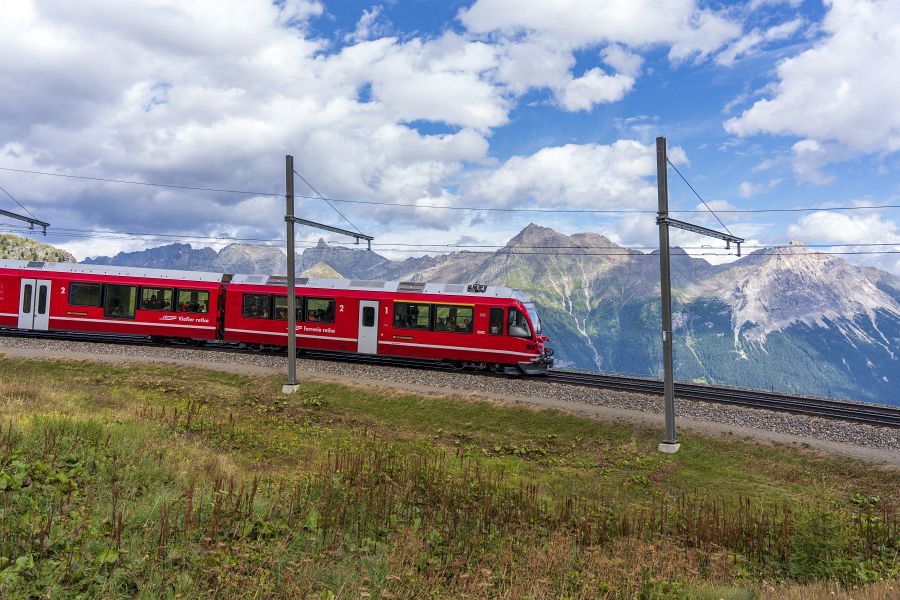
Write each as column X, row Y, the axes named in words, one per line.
column 487, row 104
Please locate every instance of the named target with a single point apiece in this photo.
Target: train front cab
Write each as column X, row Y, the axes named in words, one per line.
column 523, row 323
column 498, row 333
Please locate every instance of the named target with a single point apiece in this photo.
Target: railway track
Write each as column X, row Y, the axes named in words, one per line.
column 869, row 414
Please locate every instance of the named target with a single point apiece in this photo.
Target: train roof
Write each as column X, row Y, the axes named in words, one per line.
column 414, row 287
column 56, row 267
column 410, row 287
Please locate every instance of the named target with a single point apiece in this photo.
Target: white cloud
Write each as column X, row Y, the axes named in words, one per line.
column 531, row 64
column 748, row 189
column 622, row 60
column 850, row 232
column 298, row 12
column 755, row 4
column 594, row 87
column 843, row 228
column 716, row 205
column 755, row 38
column 680, row 24
column 841, row 95
column 537, row 40
column 643, row 128
column 615, row 176
column 215, row 93
column 368, row 26
column 809, row 158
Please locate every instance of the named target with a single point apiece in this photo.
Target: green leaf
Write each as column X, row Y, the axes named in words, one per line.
column 24, row 563
column 312, row 520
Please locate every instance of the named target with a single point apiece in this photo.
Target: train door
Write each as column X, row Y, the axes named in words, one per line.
column 368, row 327
column 34, row 304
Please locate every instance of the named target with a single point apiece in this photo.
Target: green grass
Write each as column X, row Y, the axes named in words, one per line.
column 160, row 481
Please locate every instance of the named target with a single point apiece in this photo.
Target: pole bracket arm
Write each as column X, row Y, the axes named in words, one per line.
column 347, row 232
column 726, row 237
column 29, row 220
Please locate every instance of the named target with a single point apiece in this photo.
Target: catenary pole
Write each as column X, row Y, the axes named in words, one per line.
column 670, row 441
column 291, row 385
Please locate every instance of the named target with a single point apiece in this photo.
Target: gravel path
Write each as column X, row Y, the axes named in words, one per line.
column 861, row 441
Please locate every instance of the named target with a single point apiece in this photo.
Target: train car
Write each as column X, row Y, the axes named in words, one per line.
column 475, row 326
column 46, row 296
column 472, row 326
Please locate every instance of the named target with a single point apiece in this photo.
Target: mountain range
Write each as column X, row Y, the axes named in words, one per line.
column 787, row 319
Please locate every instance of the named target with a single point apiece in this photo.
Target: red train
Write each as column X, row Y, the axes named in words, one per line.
column 475, row 326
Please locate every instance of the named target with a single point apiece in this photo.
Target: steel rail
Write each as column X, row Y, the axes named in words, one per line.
column 868, row 414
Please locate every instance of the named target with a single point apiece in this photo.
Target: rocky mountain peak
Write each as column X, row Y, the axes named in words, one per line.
column 535, row 235
column 794, row 248
column 251, row 259
column 321, row 271
column 170, row 256
column 593, row 240
column 775, row 287
column 535, row 238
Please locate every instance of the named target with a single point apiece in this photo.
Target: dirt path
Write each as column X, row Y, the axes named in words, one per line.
column 602, row 413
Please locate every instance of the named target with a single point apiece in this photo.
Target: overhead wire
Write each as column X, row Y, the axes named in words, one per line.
column 19, row 203
column 394, row 244
column 684, row 179
column 445, row 207
column 310, row 186
column 64, row 231
column 397, row 247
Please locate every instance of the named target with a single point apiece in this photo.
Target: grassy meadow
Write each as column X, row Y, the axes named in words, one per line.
column 168, row 482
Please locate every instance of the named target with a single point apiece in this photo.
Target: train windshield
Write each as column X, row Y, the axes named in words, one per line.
column 535, row 319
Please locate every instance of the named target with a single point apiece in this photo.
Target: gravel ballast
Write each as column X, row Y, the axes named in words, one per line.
column 863, row 441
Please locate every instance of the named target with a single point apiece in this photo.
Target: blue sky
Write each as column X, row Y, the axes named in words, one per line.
column 490, row 103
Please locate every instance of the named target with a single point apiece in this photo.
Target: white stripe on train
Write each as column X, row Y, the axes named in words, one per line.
column 284, row 333
column 439, row 347
column 130, row 322
column 413, row 344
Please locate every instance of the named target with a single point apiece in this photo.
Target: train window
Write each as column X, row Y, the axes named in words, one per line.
column 120, row 301
column 193, row 301
column 281, row 311
column 257, row 306
column 496, row 322
column 455, row 319
column 84, row 294
column 42, row 300
column 518, row 324
column 26, row 298
column 157, row 298
column 412, row 316
column 368, row 316
column 320, row 310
